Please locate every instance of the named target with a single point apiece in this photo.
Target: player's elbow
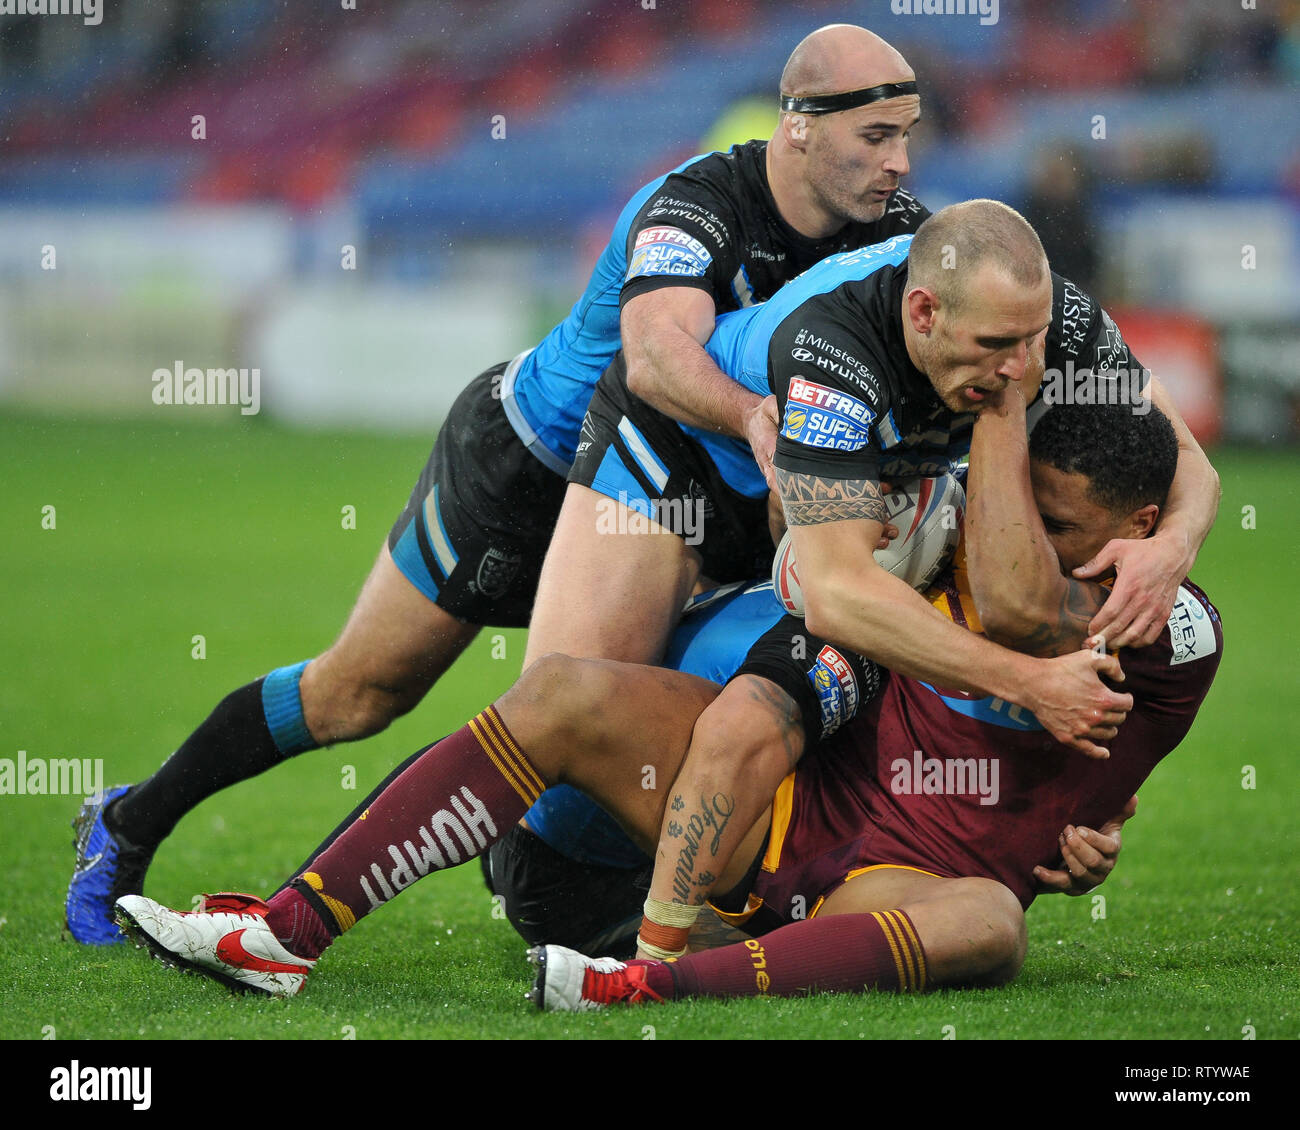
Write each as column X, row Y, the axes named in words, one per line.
column 641, row 356
column 1194, row 463
column 1005, row 621
column 640, row 334
column 1013, row 613
column 642, row 379
column 831, row 598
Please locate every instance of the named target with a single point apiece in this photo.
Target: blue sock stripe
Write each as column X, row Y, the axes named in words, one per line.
column 282, row 706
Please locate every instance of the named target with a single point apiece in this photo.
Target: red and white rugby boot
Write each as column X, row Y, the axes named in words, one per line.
column 228, row 940
column 569, row 982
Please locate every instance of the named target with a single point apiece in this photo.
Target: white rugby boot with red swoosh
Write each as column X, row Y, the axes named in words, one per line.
column 568, row 981
column 228, row 940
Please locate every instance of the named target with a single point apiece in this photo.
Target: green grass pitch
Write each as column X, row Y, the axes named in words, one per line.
column 164, row 533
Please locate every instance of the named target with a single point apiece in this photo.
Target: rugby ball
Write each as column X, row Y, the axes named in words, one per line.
column 928, row 513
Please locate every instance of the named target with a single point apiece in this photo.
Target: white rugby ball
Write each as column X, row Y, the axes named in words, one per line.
column 928, row 513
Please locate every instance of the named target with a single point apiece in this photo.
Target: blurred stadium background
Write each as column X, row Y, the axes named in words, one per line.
column 475, row 156
column 327, row 128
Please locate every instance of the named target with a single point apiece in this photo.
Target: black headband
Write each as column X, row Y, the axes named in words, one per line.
column 849, row 100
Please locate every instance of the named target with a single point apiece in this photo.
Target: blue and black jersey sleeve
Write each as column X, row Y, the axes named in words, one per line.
column 724, row 635
column 826, row 683
column 684, row 235
column 830, row 398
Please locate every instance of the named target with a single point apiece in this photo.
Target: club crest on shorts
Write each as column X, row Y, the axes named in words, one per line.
column 495, row 571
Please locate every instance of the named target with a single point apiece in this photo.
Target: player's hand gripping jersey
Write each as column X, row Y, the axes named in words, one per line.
column 957, row 785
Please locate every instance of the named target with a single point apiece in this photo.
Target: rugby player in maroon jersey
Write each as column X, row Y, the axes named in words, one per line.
column 873, row 870
column 902, row 853
column 861, row 874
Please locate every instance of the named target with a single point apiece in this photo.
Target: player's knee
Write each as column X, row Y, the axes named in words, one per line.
column 563, row 696
column 343, row 706
column 556, row 682
column 734, row 741
column 1000, row 935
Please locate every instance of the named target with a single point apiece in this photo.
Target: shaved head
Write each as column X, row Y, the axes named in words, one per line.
column 951, row 246
column 977, row 303
column 840, row 57
column 832, row 167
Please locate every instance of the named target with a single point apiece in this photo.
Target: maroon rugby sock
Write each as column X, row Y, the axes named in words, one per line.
column 843, row 953
column 298, row 925
column 454, row 802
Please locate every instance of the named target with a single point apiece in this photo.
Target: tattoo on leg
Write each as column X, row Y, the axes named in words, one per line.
column 713, row 815
column 785, row 715
column 710, row 932
column 700, row 831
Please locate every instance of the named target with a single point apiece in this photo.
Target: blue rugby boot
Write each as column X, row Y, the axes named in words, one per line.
column 107, row 869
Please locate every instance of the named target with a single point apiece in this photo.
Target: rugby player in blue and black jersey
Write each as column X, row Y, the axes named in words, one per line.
column 879, row 360
column 719, row 233
column 852, row 878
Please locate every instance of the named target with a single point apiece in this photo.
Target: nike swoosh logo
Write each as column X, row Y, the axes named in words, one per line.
column 231, row 950
column 89, row 863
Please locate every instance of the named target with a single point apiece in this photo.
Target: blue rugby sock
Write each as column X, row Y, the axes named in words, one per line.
column 251, row 730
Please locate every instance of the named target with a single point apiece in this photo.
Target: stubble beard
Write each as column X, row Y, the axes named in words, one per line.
column 936, row 363
column 845, row 209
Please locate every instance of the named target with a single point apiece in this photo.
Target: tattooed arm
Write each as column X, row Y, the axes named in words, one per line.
column 1023, row 599
column 852, row 601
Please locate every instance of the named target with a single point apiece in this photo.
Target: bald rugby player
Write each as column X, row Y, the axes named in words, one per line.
column 719, row 233
column 879, row 360
column 861, row 875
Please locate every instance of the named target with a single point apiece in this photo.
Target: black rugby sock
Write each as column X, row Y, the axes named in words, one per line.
column 233, row 744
